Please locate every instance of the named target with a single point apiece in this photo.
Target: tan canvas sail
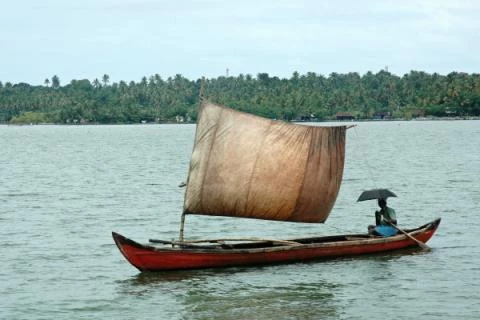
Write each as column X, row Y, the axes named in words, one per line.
column 247, row 166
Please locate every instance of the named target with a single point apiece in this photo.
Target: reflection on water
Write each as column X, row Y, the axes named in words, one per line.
column 240, row 293
column 154, row 278
column 296, row 300
column 289, row 291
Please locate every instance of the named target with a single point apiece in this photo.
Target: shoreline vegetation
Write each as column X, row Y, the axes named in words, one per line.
column 301, row 98
column 193, row 122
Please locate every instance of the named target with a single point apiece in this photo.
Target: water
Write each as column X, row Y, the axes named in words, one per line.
column 63, row 189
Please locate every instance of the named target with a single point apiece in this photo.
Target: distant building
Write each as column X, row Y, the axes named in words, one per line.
column 449, row 112
column 307, row 118
column 344, row 116
column 381, row 116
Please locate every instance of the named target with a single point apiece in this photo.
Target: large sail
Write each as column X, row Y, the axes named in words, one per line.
column 247, row 166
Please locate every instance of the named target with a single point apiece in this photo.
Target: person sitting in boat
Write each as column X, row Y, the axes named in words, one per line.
column 384, row 218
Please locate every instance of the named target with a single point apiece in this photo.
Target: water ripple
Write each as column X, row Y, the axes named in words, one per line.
column 70, row 186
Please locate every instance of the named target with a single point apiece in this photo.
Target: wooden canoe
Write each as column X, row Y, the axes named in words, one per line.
column 178, row 257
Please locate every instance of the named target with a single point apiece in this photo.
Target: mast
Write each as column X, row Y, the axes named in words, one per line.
column 182, row 224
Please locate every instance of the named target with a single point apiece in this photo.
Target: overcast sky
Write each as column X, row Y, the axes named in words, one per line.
column 129, row 39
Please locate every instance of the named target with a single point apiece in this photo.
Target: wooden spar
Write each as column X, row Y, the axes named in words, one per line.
column 283, row 242
column 182, row 225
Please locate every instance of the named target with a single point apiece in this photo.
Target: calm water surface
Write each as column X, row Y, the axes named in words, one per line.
column 63, row 189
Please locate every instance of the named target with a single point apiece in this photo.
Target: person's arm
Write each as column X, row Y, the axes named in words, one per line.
column 390, row 221
column 392, row 216
column 389, row 216
column 378, row 217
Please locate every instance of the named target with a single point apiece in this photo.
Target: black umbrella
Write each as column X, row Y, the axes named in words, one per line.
column 376, row 194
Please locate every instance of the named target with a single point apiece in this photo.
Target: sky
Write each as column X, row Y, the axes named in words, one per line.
column 130, row 39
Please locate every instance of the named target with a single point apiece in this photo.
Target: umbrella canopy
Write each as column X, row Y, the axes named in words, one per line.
column 376, row 194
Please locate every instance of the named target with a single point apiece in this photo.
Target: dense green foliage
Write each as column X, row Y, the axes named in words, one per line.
column 158, row 100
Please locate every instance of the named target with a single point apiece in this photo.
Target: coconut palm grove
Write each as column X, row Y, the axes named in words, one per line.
column 308, row 97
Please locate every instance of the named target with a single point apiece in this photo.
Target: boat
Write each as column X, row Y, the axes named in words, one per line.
column 175, row 256
column 245, row 166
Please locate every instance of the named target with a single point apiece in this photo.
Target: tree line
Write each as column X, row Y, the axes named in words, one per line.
column 306, row 96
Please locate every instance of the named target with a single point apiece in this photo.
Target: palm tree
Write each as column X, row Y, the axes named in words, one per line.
column 55, row 82
column 105, row 79
column 96, row 83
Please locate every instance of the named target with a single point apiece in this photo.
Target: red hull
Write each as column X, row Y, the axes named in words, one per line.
column 152, row 258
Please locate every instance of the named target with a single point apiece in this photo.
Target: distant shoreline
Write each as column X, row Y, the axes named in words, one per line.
column 294, row 121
